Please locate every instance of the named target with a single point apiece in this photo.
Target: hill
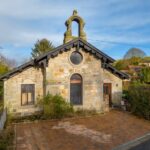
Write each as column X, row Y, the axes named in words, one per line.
column 134, row 52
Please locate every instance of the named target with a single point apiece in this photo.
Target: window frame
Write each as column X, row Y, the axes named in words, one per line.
column 79, row 54
column 32, row 94
column 81, row 84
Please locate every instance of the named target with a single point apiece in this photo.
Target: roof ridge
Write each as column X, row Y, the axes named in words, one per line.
column 64, row 47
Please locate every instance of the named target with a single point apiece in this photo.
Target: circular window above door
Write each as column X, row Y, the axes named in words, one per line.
column 76, row 57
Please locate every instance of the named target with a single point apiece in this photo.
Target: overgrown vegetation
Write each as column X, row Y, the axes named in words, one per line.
column 138, row 68
column 123, row 64
column 6, row 138
column 138, row 96
column 4, row 68
column 137, row 91
column 145, row 75
column 55, row 106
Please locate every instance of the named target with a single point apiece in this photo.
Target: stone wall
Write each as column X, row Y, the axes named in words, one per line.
column 60, row 70
column 12, row 91
column 58, row 74
column 116, row 86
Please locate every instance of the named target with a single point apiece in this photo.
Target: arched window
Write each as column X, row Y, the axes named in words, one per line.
column 76, row 89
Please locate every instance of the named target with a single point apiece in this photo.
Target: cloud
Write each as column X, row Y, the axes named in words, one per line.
column 25, row 21
column 37, row 9
column 15, row 34
column 122, row 39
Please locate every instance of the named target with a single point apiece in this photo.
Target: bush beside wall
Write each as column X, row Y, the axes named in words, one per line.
column 55, row 106
column 139, row 99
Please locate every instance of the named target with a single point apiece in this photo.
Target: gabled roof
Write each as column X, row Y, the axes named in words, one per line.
column 79, row 43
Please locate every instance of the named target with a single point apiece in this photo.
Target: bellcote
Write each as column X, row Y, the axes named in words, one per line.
column 68, row 34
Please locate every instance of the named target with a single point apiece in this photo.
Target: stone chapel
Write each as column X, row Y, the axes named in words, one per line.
column 77, row 70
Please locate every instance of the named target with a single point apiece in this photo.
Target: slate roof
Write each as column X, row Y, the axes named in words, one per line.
column 78, row 43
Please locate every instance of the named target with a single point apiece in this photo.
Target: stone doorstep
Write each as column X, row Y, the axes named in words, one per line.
column 133, row 143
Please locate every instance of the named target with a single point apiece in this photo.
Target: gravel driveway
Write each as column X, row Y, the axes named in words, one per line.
column 99, row 132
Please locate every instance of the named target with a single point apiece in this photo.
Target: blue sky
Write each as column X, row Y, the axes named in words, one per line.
column 113, row 26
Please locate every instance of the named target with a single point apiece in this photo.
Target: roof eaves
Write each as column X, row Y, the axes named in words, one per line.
column 116, row 72
column 65, row 47
column 17, row 70
column 97, row 50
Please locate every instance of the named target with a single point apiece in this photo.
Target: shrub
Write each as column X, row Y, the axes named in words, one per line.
column 139, row 99
column 6, row 138
column 121, row 64
column 145, row 75
column 3, row 69
column 55, row 106
column 124, row 63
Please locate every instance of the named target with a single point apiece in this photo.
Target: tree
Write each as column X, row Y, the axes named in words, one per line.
column 124, row 63
column 6, row 65
column 40, row 47
column 121, row 64
column 10, row 63
column 145, row 75
column 3, row 69
column 135, row 60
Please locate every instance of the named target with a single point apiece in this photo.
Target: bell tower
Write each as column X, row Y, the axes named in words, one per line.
column 68, row 34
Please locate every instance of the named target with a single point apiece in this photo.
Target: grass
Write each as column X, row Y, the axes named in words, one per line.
column 7, row 134
column 40, row 116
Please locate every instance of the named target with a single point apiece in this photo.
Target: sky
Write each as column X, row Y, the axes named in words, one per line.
column 113, row 26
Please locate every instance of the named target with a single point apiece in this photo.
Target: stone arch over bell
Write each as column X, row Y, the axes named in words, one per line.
column 68, row 34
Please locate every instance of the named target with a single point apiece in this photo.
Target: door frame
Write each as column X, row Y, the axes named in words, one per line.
column 109, row 85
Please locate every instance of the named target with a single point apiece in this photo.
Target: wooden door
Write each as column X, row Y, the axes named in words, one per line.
column 107, row 92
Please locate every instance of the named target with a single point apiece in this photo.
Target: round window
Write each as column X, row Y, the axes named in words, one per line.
column 76, row 58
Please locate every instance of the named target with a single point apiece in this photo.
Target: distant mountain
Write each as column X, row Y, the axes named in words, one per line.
column 134, row 52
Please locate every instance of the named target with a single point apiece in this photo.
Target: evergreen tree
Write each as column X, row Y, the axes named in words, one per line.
column 40, row 47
